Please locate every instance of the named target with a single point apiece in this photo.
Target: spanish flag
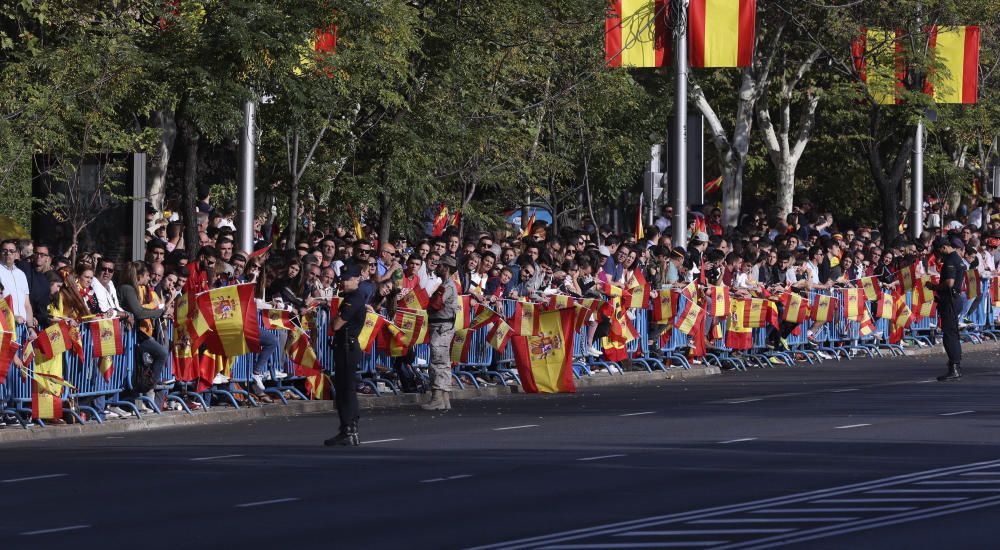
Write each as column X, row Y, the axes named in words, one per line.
column 559, row 301
column 499, row 335
column 106, row 336
column 972, row 283
column 185, row 360
column 688, row 317
column 713, row 185
column 885, row 307
column 755, row 312
column 636, row 33
column 440, row 221
column 416, row 298
column 190, row 319
column 796, row 308
column 664, row 303
column 878, row 59
column 277, row 319
column 738, row 334
column 359, row 230
column 46, row 402
column 867, row 326
column 690, row 292
column 7, row 322
column 54, row 340
column 722, row 32
column 525, row 319
column 300, row 351
column 373, row 326
column 871, row 288
column 718, row 299
column 639, row 289
column 231, row 314
column 901, row 320
column 461, row 342
column 853, row 304
column 322, row 44
column 545, row 359
column 463, row 314
column 956, row 51
column 922, row 296
column 995, row 291
column 528, row 226
column 639, row 233
column 822, row 308
column 8, row 350
column 483, row 317
column 412, row 326
column 908, row 276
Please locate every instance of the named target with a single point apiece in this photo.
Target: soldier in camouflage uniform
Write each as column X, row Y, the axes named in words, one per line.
column 442, row 310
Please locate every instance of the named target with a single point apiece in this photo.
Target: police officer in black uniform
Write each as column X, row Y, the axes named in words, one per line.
column 946, row 295
column 347, row 354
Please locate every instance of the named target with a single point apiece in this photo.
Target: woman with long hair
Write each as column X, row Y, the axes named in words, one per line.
column 145, row 307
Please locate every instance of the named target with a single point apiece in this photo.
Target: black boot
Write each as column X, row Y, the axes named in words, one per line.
column 348, row 437
column 953, row 373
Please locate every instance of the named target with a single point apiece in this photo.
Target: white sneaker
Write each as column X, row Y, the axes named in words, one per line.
column 109, row 414
column 280, row 375
column 824, row 355
column 168, row 382
column 220, row 379
column 594, row 352
column 122, row 413
column 258, row 382
column 420, row 362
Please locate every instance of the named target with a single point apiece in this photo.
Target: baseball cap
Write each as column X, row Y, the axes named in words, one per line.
column 350, row 271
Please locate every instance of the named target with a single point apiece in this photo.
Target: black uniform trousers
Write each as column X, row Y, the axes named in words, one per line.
column 346, row 356
column 948, row 313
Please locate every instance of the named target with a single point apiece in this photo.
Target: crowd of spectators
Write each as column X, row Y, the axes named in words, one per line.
column 807, row 249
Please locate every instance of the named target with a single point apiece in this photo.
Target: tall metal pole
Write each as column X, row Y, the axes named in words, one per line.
column 245, row 191
column 917, row 202
column 678, row 16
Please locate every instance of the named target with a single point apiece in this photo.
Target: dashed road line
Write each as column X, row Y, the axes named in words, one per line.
column 449, row 478
column 838, row 510
column 740, row 440
column 687, row 532
column 515, row 427
column 381, row 441
column 850, row 426
column 845, row 390
column 692, row 544
column 266, row 502
column 817, row 519
column 741, row 401
column 962, row 482
column 638, row 413
column 55, row 530
column 219, row 457
column 874, row 500
column 602, row 457
column 956, row 413
column 32, row 478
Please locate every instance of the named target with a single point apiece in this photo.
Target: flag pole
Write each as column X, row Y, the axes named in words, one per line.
column 678, row 18
column 245, row 190
column 917, row 222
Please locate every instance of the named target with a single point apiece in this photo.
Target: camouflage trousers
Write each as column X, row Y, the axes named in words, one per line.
column 440, row 367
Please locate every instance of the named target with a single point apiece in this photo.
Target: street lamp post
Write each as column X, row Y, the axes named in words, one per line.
column 678, row 17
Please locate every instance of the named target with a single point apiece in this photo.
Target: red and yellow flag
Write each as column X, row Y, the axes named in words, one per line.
column 853, row 304
column 7, row 318
column 908, row 277
column 8, row 350
column 718, row 301
column 878, row 58
column 955, row 76
column 107, row 337
column 461, row 342
column 664, row 303
column 636, row 33
column 45, row 404
column 885, row 307
column 416, row 298
column 525, row 319
column 499, row 335
column 796, row 308
column 972, row 283
column 374, row 324
column 722, row 32
column 822, row 308
column 484, row 316
column 712, row 186
column 901, row 320
column 688, row 317
column 995, row 291
column 440, row 221
column 300, row 351
column 545, row 359
column 412, row 327
column 639, row 290
column 867, row 326
column 755, row 312
column 640, row 234
column 277, row 319
column 871, row 288
column 54, row 340
column 463, row 314
column 528, row 227
column 231, row 315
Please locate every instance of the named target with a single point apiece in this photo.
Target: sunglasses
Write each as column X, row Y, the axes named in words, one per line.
column 107, row 270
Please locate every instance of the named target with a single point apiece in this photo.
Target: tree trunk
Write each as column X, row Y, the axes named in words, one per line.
column 385, row 209
column 887, row 182
column 293, row 197
column 732, row 191
column 158, row 171
column 786, row 186
column 191, row 139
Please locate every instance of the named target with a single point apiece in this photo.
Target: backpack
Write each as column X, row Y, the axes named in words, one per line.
column 143, row 377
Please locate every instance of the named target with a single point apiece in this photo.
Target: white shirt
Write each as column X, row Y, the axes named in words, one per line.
column 15, row 284
column 813, row 270
column 107, row 298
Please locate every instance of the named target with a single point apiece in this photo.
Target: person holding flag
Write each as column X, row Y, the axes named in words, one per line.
column 347, row 355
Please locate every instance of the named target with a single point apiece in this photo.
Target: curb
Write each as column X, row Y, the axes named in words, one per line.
column 987, row 345
column 224, row 415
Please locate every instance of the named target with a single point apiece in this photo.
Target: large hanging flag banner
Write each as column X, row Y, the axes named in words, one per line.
column 525, row 319
column 955, row 76
column 545, row 359
column 878, row 59
column 231, row 314
column 722, row 32
column 636, row 33
column 108, row 341
column 440, row 222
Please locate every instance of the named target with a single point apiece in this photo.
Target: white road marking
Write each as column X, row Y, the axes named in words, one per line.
column 56, row 530
column 981, row 474
column 903, row 491
column 691, row 544
column 638, row 414
column 702, row 532
column 848, row 427
column 32, row 478
column 844, row 390
column 772, row 520
column 266, row 502
column 214, row 457
column 926, row 381
column 867, row 500
column 744, row 401
column 437, row 479
column 114, row 437
column 589, row 458
column 956, row 413
column 741, row 440
column 827, row 510
column 515, row 427
column 381, row 441
column 962, row 482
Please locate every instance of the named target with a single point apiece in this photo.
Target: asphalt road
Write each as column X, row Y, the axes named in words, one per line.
column 840, row 455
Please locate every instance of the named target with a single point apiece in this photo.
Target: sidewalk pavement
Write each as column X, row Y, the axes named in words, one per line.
column 221, row 414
